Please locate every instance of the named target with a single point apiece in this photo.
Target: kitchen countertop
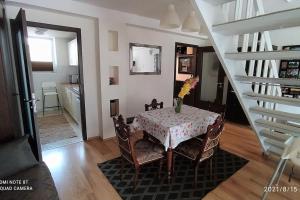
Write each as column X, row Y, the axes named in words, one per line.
column 73, row 87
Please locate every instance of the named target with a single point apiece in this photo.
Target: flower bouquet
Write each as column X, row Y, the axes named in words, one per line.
column 185, row 90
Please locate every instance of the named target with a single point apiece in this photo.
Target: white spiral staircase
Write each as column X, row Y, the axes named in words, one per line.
column 252, row 70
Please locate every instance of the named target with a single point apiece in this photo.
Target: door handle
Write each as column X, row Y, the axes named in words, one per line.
column 33, row 101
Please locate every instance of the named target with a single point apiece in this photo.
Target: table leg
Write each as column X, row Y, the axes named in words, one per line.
column 170, row 162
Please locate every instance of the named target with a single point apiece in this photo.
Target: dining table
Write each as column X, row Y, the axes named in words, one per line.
column 172, row 128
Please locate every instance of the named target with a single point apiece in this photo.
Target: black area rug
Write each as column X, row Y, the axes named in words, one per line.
column 149, row 187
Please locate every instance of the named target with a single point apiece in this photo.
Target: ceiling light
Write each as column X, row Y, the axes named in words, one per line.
column 191, row 23
column 170, row 19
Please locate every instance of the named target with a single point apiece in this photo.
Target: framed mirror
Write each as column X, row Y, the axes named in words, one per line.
column 144, row 59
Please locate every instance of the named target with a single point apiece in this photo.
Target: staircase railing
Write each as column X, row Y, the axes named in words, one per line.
column 260, row 42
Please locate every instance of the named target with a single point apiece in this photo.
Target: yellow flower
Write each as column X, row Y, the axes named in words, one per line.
column 184, row 90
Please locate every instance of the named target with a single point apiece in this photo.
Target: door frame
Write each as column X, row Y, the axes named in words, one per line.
column 175, row 57
column 200, row 52
column 80, row 65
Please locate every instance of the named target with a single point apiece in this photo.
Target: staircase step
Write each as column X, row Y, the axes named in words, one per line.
column 275, row 150
column 273, row 99
column 218, row 2
column 276, row 143
column 271, row 21
column 289, row 129
column 274, row 135
column 264, row 55
column 281, row 81
column 277, row 114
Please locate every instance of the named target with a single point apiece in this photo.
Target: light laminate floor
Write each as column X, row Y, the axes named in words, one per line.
column 76, row 175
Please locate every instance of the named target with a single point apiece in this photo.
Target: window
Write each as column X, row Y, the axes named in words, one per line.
column 41, row 53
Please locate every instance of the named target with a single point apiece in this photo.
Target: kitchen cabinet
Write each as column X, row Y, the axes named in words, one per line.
column 73, row 52
column 71, row 102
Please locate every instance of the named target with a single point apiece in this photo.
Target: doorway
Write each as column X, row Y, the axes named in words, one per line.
column 211, row 91
column 185, row 68
column 50, row 74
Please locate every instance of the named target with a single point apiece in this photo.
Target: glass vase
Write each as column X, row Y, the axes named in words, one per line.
column 178, row 105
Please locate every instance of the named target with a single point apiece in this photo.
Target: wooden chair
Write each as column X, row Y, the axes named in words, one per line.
column 199, row 150
column 154, row 105
column 220, row 109
column 137, row 152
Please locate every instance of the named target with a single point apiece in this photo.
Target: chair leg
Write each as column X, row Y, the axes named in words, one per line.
column 137, row 171
column 161, row 162
column 44, row 98
column 281, row 163
column 122, row 167
column 173, row 163
column 57, row 100
column 196, row 174
column 210, row 167
column 215, row 167
column 291, row 174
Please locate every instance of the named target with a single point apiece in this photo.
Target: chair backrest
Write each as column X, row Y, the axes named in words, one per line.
column 154, row 105
column 49, row 86
column 123, row 135
column 211, row 139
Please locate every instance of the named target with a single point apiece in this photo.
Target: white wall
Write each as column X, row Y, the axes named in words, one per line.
column 88, row 28
column 59, row 75
column 143, row 88
column 133, row 91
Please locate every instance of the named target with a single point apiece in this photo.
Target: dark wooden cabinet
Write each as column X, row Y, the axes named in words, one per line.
column 234, row 111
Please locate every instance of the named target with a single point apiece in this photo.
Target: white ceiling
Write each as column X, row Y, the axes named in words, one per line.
column 51, row 33
column 156, row 8
column 147, row 8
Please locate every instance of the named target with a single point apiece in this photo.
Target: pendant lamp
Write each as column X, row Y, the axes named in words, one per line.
column 170, row 20
column 191, row 23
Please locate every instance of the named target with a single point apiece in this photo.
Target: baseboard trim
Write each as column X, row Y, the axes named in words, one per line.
column 110, row 138
column 94, row 138
column 99, row 137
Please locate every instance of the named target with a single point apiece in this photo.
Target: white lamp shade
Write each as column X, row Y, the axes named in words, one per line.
column 191, row 23
column 170, row 19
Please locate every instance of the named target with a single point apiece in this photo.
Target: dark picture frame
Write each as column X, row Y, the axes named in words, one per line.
column 156, row 59
column 293, row 64
column 185, row 65
column 292, row 73
column 290, row 69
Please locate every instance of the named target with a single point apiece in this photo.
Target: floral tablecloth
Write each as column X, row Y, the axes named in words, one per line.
column 173, row 128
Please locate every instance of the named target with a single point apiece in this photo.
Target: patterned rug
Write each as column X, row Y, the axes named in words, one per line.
column 181, row 187
column 55, row 128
